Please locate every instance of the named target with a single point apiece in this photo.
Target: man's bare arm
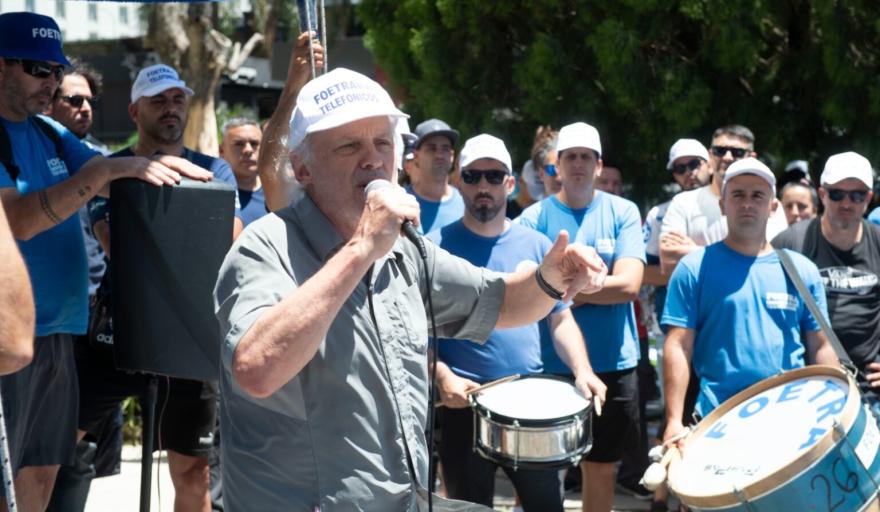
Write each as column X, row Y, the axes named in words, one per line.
column 819, row 349
column 569, row 344
column 621, row 286
column 33, row 213
column 272, row 164
column 16, row 305
column 677, row 353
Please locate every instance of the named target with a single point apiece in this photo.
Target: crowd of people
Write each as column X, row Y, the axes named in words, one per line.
column 323, row 394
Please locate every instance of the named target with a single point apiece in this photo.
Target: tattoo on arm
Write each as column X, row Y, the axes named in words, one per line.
column 86, row 190
column 47, row 209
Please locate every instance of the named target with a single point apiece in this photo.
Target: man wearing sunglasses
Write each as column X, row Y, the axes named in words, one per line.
column 694, row 218
column 42, row 187
column 846, row 248
column 486, row 238
column 607, row 321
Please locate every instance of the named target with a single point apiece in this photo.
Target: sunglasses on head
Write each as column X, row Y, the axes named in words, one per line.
column 494, row 177
column 691, row 165
column 550, row 170
column 856, row 196
column 77, row 100
column 720, row 151
column 40, row 69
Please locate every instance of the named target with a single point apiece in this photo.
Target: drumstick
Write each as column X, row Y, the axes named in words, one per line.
column 597, row 405
column 486, row 386
column 493, row 383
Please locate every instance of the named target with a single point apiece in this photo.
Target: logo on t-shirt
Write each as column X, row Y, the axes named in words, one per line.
column 848, row 280
column 605, row 245
column 57, row 166
column 526, row 265
column 778, row 300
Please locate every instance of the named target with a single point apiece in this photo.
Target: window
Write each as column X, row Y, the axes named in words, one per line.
column 123, row 15
column 60, row 8
column 93, row 12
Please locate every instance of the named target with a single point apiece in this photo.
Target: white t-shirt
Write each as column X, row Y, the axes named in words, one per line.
column 653, row 223
column 696, row 213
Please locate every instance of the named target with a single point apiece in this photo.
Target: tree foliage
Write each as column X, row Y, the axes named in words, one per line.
column 803, row 75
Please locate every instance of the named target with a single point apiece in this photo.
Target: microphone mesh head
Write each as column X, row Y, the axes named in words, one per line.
column 377, row 184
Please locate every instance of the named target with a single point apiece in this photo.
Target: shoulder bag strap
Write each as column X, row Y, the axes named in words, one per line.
column 795, row 278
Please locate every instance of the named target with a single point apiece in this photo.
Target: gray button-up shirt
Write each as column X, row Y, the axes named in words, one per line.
column 347, row 431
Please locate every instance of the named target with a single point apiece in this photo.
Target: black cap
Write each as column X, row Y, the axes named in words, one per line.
column 433, row 127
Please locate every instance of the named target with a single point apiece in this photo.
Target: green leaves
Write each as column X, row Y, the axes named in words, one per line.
column 803, row 75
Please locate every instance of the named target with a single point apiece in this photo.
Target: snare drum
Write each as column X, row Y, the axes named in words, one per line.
column 799, row 441
column 535, row 422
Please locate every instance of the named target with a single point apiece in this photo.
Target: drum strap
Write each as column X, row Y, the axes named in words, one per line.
column 807, row 297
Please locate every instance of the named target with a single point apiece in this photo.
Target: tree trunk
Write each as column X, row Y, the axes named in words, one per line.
column 184, row 37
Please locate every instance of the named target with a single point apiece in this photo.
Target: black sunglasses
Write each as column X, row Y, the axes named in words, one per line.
column 856, row 196
column 494, row 177
column 40, row 69
column 720, row 151
column 691, row 165
column 77, row 100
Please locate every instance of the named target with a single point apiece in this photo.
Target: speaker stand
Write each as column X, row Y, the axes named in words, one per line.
column 148, row 415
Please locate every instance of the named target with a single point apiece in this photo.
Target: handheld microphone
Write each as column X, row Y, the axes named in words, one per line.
column 406, row 227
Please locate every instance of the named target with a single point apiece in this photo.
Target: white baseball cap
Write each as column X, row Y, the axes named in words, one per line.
column 337, row 98
column 578, row 135
column 484, row 146
column 847, row 165
column 156, row 79
column 749, row 166
column 686, row 147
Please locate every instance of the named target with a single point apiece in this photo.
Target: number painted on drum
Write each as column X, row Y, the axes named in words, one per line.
column 850, row 483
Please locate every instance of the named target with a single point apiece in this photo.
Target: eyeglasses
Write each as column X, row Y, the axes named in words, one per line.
column 550, row 170
column 691, row 165
column 737, row 153
column 856, row 196
column 494, row 177
column 77, row 100
column 40, row 69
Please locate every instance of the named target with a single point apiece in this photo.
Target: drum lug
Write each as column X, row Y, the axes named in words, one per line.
column 516, row 444
column 743, row 499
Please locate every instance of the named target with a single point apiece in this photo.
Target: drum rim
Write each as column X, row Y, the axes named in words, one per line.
column 786, row 473
column 531, row 422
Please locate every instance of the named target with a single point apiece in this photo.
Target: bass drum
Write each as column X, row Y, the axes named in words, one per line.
column 800, row 441
column 535, row 422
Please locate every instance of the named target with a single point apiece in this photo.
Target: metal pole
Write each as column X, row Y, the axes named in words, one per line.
column 7, row 464
column 149, row 418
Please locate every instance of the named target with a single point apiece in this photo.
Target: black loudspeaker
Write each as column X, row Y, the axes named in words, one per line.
column 167, row 245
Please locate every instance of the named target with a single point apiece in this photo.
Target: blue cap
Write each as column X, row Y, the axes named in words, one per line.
column 26, row 35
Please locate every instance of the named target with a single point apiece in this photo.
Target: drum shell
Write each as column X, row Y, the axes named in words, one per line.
column 832, row 479
column 532, row 443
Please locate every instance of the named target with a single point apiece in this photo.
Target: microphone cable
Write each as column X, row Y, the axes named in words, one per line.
column 432, row 382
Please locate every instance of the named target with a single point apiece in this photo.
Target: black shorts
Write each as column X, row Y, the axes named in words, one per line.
column 618, row 427
column 40, row 403
column 185, row 413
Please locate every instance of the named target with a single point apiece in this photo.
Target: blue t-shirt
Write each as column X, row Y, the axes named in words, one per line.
column 874, row 216
column 612, row 226
column 436, row 214
column 507, row 351
column 253, row 205
column 56, row 258
column 99, row 207
column 747, row 317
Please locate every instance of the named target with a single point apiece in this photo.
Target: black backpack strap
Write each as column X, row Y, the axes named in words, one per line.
column 6, row 154
column 6, row 146
column 52, row 134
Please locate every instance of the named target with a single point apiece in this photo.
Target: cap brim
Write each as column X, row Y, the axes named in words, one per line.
column 452, row 135
column 36, row 55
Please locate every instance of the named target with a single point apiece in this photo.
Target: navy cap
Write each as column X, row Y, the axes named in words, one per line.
column 433, row 127
column 26, row 35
